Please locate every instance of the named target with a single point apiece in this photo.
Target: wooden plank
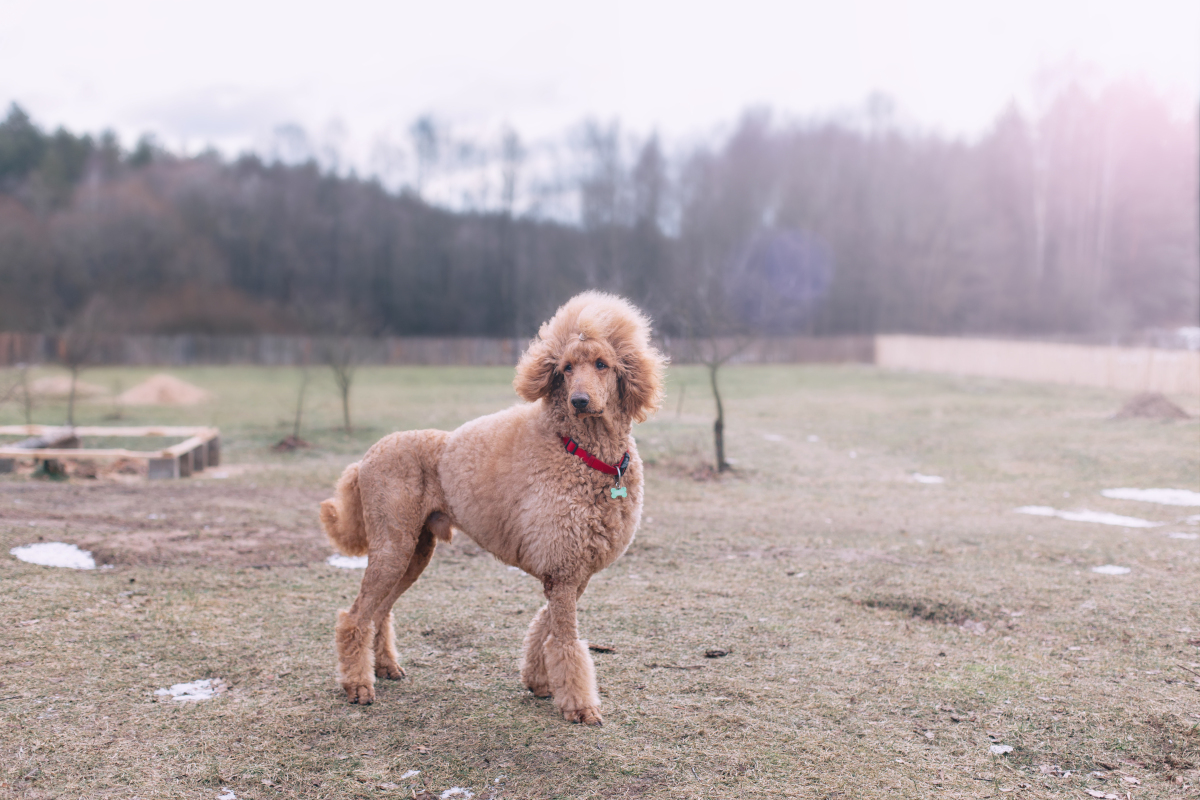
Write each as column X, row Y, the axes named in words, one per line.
column 91, row 430
column 186, row 446
column 23, row 430
column 201, row 448
column 17, row 452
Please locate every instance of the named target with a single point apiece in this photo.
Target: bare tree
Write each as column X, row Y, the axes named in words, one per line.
column 293, row 441
column 300, row 404
column 26, row 393
column 713, row 338
column 340, row 356
column 79, row 344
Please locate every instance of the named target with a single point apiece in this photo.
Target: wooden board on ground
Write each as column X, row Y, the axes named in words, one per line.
column 201, row 448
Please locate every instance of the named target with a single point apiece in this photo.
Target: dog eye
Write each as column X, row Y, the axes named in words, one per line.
column 567, row 368
column 600, row 364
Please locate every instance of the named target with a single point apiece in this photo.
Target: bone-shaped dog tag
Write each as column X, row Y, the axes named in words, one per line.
column 619, row 492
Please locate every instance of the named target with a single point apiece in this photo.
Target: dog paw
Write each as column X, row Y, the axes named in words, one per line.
column 363, row 695
column 393, row 672
column 588, row 715
column 540, row 690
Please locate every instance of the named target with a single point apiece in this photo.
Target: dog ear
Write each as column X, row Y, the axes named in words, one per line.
column 640, row 382
column 536, row 373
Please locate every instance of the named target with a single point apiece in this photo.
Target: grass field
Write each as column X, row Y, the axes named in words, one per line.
column 882, row 634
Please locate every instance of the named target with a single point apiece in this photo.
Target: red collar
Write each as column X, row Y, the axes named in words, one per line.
column 608, row 469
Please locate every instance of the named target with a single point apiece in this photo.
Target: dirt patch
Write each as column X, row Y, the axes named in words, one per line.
column 149, row 524
column 289, row 444
column 452, row 636
column 1150, row 405
column 946, row 612
column 60, row 386
column 1176, row 744
column 238, row 546
column 164, row 390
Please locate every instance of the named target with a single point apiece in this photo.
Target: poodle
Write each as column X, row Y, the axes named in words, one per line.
column 552, row 486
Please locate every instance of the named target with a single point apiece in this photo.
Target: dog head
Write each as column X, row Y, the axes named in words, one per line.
column 595, row 352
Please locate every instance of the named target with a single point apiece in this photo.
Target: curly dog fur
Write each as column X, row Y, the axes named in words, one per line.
column 507, row 482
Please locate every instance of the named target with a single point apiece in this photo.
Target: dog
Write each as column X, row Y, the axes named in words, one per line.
column 552, row 486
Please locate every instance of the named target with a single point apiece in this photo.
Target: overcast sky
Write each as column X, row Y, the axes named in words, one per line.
column 228, row 73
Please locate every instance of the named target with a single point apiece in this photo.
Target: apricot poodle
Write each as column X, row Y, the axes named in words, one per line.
column 552, row 486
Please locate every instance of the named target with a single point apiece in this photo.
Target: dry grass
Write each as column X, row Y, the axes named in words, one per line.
column 881, row 634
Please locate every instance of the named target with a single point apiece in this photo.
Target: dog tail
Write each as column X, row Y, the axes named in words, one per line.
column 342, row 516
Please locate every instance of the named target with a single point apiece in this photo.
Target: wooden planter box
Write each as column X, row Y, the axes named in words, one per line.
column 201, row 448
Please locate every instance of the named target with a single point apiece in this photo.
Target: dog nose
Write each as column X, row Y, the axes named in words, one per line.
column 580, row 401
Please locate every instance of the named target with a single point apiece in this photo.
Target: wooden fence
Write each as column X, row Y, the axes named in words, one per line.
column 186, row 350
column 1134, row 369
column 1124, row 368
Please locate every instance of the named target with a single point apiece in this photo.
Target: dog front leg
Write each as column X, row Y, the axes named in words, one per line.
column 533, row 649
column 569, row 668
column 533, row 660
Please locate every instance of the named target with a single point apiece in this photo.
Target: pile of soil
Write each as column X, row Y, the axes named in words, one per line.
column 164, row 390
column 60, row 386
column 1150, row 405
column 289, row 443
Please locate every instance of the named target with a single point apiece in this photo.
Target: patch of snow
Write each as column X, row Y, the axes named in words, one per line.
column 1101, row 517
column 1111, row 569
column 347, row 562
column 1041, row 511
column 812, row 437
column 1194, row 519
column 456, row 791
column 919, row 478
column 412, row 773
column 1000, row 749
column 205, row 689
column 1180, row 535
column 773, row 437
column 227, row 794
column 1167, row 497
column 853, row 454
column 55, row 554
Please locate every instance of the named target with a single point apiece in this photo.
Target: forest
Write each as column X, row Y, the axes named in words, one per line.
column 1080, row 219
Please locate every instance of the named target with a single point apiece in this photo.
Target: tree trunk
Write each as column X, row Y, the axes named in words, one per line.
column 300, row 404
column 71, row 398
column 345, row 387
column 719, row 425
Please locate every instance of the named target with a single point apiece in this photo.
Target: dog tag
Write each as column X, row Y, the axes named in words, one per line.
column 619, row 492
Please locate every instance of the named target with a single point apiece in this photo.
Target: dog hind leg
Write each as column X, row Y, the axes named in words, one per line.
column 386, row 658
column 358, row 626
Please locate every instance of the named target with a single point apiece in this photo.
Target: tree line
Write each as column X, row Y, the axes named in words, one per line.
column 1078, row 219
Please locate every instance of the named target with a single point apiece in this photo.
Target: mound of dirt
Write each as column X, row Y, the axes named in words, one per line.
column 1150, row 405
column 289, row 443
column 60, row 386
column 163, row 390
